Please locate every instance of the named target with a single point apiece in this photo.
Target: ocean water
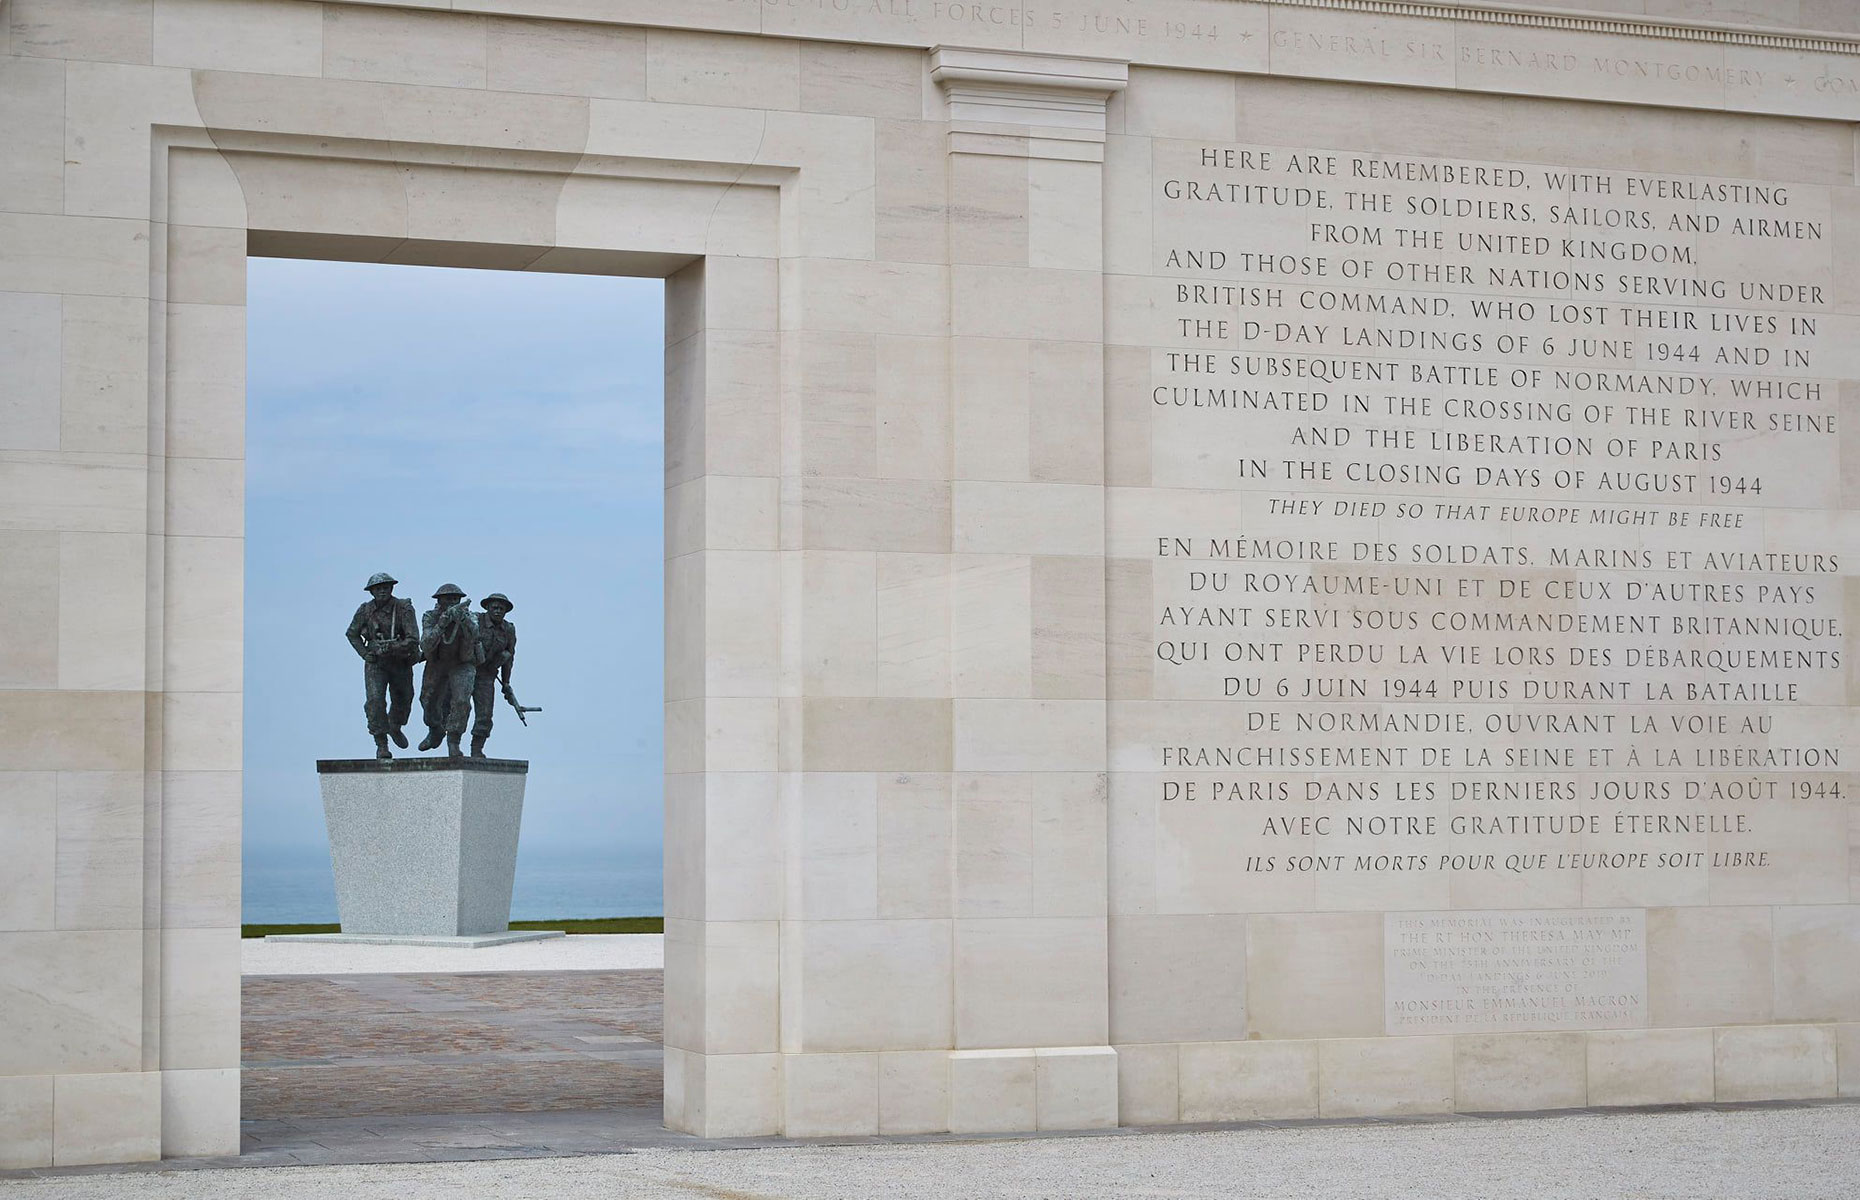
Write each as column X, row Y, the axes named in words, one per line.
column 292, row 886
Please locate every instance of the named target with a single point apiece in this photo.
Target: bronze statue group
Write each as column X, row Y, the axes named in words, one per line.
column 468, row 657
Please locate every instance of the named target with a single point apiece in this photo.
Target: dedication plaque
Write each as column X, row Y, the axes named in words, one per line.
column 1476, row 522
column 1503, row 972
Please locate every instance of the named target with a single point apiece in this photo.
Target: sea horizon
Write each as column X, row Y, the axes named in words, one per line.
column 294, row 885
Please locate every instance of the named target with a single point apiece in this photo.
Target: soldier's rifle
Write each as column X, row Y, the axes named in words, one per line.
column 511, row 696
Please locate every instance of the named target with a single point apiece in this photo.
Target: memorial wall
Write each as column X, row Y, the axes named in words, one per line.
column 1477, row 598
column 1225, row 559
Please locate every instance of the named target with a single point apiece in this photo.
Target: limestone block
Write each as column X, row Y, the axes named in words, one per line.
column 832, row 847
column 1773, row 1062
column 991, row 624
column 1178, row 978
column 1030, row 845
column 97, row 256
column 684, row 67
column 991, row 1091
column 861, row 81
column 1650, row 1066
column 203, row 603
column 200, row 856
column 1068, row 634
column 1366, row 1077
column 867, row 985
column 1176, row 104
column 875, row 734
column 239, row 35
column 32, row 90
column 915, row 837
column 1030, row 980
column 103, row 610
column 911, row 193
column 830, row 1095
column 839, row 623
column 722, row 987
column 1249, row 1081
column 732, row 1095
column 1519, row 1071
column 200, row 998
column 913, row 1091
column 423, row 846
column 1029, row 735
column 1065, row 215
column 1316, row 975
column 913, row 624
column 1075, row 1087
column 206, row 381
column 1708, row 966
column 28, row 848
column 105, row 401
column 30, row 589
column 100, row 849
column 200, row 1112
column 30, row 331
column 201, row 730
column 25, row 1122
column 1028, row 518
column 1847, row 1055
column 71, row 731
column 399, row 46
column 566, row 59
column 1817, row 962
column 108, row 31
column 1148, row 1084
column 204, row 499
column 110, row 109
column 106, row 1118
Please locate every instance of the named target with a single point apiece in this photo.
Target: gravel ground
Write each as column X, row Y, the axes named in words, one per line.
column 581, row 952
column 1784, row 1153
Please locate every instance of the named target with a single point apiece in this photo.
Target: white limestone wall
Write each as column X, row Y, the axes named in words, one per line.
column 897, row 661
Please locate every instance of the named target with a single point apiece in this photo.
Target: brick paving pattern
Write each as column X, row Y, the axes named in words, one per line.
column 427, row 1045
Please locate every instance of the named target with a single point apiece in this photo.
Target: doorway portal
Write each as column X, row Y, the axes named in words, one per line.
column 503, row 431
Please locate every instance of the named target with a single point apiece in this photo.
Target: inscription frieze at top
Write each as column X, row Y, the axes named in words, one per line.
column 1430, row 43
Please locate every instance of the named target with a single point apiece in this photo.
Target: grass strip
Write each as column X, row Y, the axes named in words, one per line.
column 577, row 925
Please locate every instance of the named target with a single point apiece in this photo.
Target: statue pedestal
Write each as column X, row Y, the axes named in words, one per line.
column 425, row 849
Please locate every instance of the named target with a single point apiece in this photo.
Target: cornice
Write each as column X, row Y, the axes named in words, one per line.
column 1673, row 29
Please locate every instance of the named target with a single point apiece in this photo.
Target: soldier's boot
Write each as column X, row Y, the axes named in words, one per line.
column 477, row 745
column 431, row 739
column 452, row 746
column 400, row 739
column 381, row 750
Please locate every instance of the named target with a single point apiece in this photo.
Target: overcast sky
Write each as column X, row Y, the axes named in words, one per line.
column 496, row 430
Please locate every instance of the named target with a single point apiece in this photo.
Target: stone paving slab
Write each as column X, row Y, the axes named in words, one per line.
column 378, row 1046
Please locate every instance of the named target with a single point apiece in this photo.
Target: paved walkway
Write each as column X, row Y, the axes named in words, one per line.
column 1753, row 1153
column 321, row 1047
column 580, row 952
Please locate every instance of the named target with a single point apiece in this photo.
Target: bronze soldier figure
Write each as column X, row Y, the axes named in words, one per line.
column 449, row 641
column 384, row 634
column 497, row 640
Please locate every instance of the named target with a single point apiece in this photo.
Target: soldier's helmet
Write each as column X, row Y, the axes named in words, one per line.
column 448, row 589
column 377, row 579
column 500, row 598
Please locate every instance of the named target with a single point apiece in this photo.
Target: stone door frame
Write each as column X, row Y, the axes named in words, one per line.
column 710, row 229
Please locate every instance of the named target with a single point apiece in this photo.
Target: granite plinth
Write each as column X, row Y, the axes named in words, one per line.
column 424, row 849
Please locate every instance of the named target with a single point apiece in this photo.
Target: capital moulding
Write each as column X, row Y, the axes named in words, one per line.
column 992, row 88
column 1675, row 29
